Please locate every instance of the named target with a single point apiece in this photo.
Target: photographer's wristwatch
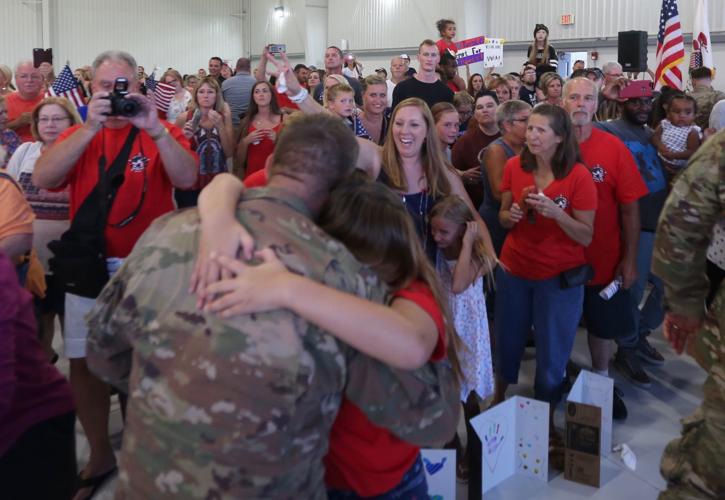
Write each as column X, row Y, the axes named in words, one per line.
column 164, row 132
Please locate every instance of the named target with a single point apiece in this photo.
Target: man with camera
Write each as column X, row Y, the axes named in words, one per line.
column 123, row 164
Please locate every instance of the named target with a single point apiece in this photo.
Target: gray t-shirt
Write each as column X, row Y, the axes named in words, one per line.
column 237, row 92
column 355, row 84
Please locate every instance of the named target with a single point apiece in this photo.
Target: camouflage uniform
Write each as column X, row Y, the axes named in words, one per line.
column 706, row 97
column 242, row 407
column 694, row 465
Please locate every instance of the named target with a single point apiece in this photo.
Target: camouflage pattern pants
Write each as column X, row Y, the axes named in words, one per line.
column 694, row 464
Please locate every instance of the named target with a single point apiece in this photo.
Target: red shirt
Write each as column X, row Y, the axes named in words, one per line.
column 257, row 179
column 17, row 106
column 618, row 182
column 285, row 102
column 257, row 153
column 542, row 250
column 443, row 46
column 363, row 457
column 143, row 167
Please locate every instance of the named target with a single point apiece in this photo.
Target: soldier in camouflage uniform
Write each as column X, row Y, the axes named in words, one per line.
column 694, row 465
column 242, row 407
column 705, row 96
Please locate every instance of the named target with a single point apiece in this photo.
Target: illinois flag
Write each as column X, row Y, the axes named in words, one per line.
column 701, row 42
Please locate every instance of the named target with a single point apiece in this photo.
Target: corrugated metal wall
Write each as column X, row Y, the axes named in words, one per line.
column 178, row 33
column 268, row 28
column 515, row 19
column 383, row 24
column 185, row 33
column 20, row 30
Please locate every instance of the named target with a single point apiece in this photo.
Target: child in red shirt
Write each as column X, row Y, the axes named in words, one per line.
column 364, row 459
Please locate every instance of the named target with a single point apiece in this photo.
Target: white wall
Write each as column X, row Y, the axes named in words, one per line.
column 185, row 33
column 178, row 33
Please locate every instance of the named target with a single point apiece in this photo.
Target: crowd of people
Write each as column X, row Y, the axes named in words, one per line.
column 366, row 257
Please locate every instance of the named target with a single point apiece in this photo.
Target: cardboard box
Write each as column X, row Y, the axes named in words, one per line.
column 582, row 457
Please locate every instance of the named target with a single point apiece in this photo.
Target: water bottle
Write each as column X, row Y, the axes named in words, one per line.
column 612, row 288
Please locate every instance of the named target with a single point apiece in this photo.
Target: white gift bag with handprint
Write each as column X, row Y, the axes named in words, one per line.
column 514, row 440
column 440, row 473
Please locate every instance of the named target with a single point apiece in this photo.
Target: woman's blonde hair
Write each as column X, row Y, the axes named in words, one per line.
column 174, row 74
column 431, row 156
column 453, row 209
column 7, row 75
column 214, row 84
column 372, row 222
column 60, row 101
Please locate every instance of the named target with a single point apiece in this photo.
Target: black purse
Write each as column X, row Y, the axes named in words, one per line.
column 79, row 257
column 577, row 276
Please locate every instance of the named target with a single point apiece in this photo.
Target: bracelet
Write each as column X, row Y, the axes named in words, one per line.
column 164, row 132
column 301, row 96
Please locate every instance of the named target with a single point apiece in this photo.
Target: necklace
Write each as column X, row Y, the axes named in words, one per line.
column 421, row 221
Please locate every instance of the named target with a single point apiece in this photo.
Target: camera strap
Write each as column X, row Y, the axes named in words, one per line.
column 89, row 220
column 109, row 181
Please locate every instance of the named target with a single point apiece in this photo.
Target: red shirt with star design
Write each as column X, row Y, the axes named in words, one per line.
column 536, row 248
column 144, row 179
column 618, row 182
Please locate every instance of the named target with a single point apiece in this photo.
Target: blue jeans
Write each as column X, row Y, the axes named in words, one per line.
column 553, row 312
column 653, row 311
column 413, row 486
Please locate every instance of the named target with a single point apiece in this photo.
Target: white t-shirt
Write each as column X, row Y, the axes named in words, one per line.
column 50, row 208
column 178, row 106
column 391, row 87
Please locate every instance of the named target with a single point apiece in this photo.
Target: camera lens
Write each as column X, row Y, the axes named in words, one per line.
column 128, row 107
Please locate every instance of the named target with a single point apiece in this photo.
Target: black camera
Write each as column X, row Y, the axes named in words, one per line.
column 121, row 104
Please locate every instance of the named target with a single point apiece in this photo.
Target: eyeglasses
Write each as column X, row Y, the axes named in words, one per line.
column 28, row 77
column 52, row 119
column 519, row 119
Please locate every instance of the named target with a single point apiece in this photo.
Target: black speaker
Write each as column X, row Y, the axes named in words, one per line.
column 632, row 51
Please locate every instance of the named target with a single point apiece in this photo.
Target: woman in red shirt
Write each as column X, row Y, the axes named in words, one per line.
column 364, row 460
column 260, row 127
column 548, row 200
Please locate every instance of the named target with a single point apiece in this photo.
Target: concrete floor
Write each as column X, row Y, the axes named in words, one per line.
column 653, row 420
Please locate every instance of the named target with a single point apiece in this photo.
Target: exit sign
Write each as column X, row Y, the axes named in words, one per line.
column 567, row 19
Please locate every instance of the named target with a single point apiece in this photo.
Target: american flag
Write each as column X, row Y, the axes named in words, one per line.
column 162, row 92
column 66, row 85
column 670, row 47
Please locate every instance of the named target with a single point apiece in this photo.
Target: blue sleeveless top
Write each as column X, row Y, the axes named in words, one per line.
column 490, row 207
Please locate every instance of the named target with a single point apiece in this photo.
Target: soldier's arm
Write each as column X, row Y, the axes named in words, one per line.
column 685, row 228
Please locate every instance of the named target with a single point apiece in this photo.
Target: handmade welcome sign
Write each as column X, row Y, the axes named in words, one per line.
column 470, row 50
column 515, row 440
column 440, row 472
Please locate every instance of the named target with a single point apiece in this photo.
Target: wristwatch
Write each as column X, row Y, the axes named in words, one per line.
column 164, row 132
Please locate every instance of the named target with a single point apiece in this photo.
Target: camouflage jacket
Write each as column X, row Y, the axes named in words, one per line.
column 685, row 229
column 242, row 407
column 706, row 99
column 693, row 208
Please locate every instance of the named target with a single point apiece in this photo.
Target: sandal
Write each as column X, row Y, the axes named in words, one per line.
column 94, row 482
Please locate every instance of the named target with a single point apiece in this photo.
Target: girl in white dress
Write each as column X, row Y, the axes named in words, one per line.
column 461, row 263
